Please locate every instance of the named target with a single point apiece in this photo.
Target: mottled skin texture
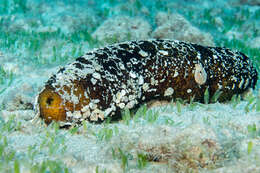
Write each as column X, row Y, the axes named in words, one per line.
column 105, row 81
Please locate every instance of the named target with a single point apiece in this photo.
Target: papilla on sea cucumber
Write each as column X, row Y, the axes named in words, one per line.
column 104, row 81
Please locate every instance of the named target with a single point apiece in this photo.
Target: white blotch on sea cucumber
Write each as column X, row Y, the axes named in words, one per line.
column 96, row 75
column 132, row 97
column 121, row 66
column 176, row 74
column 93, row 81
column 77, row 114
column 241, row 83
column 186, row 74
column 153, row 81
column 234, row 78
column 69, row 114
column 162, row 80
column 246, row 84
column 143, row 53
column 163, row 52
column 199, row 56
column 140, row 80
column 131, row 104
column 121, row 105
column 85, row 108
column 92, row 105
column 119, row 96
column 86, row 114
column 168, row 92
column 132, row 74
column 97, row 114
column 145, row 86
column 97, row 67
column 96, row 101
column 108, row 111
column 200, row 74
column 219, row 86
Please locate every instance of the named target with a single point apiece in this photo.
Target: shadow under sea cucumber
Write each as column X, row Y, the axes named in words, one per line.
column 106, row 80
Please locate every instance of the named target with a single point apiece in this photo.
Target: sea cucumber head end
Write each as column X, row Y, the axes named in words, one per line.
column 51, row 106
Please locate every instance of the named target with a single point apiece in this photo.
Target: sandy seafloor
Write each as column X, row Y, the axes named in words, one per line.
column 37, row 36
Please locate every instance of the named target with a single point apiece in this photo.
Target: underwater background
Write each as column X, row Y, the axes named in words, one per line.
column 39, row 36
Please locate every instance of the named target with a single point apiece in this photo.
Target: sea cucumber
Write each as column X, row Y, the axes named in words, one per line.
column 104, row 81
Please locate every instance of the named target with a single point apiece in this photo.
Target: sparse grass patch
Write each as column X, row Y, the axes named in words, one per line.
column 20, row 6
column 103, row 171
column 126, row 116
column 140, row 112
column 49, row 166
column 216, row 96
column 106, row 132
column 84, row 35
column 16, row 166
column 206, row 96
column 13, row 6
column 141, row 160
column 249, row 147
column 11, row 161
column 206, row 120
column 10, row 125
column 250, row 103
column 235, row 100
column 6, row 79
column 192, row 104
column 53, row 143
column 253, row 131
column 256, row 14
column 144, row 113
column 31, row 46
column 258, row 104
column 74, row 130
column 169, row 121
column 151, row 116
column 123, row 156
column 111, row 39
column 7, row 155
column 178, row 105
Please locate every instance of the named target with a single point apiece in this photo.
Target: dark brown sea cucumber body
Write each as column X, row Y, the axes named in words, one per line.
column 107, row 80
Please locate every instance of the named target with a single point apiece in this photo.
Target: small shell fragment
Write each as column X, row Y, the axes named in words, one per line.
column 200, row 74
